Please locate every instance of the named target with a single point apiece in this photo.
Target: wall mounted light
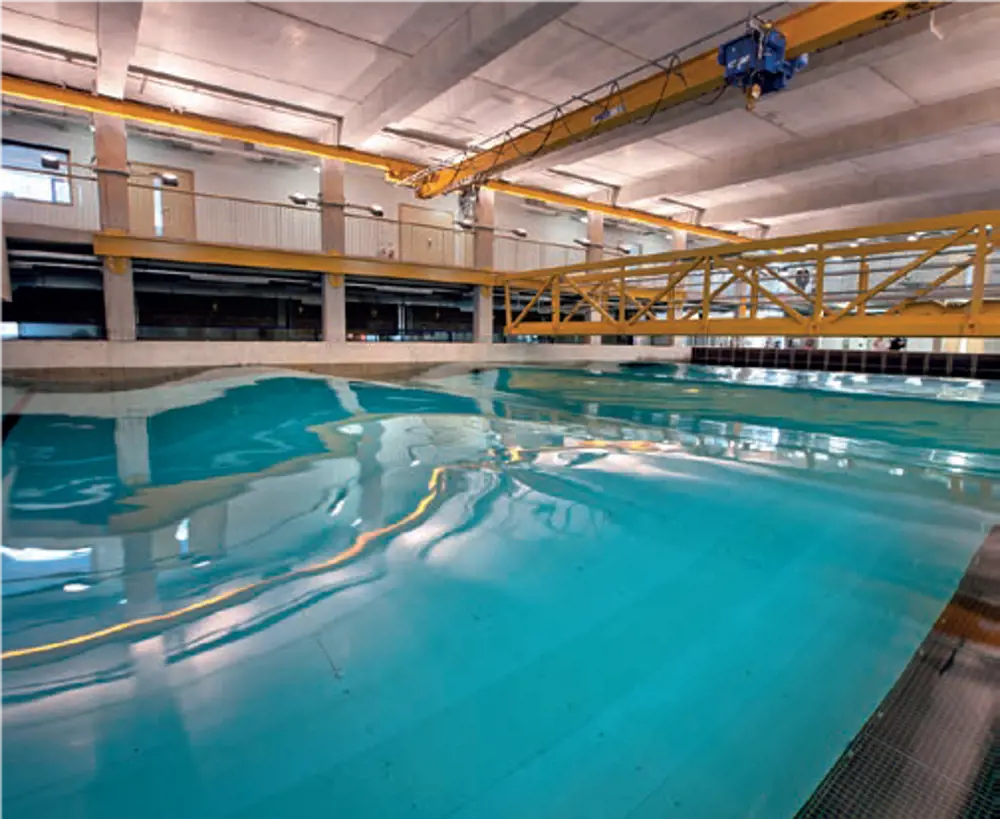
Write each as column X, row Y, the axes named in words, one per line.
column 301, row 199
column 520, row 233
column 50, row 162
column 586, row 243
column 169, row 180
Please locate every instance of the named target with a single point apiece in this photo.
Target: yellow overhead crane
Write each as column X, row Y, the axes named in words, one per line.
column 396, row 170
column 808, row 30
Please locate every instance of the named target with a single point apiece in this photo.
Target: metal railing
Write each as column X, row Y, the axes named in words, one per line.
column 925, row 277
column 513, row 254
column 159, row 211
column 82, row 211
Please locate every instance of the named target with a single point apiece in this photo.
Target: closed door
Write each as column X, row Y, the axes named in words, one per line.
column 426, row 236
column 159, row 209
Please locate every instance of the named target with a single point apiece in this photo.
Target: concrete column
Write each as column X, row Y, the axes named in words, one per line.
column 333, row 231
column 595, row 253
column 7, row 295
column 139, row 574
column 482, row 257
column 111, row 152
column 207, row 530
column 334, row 309
column 482, row 314
column 132, row 450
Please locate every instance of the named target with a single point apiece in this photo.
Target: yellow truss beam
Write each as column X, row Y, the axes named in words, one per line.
column 172, row 250
column 939, row 321
column 808, row 30
column 397, row 170
column 719, row 290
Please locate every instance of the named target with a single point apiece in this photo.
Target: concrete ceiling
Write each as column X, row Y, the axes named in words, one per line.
column 906, row 121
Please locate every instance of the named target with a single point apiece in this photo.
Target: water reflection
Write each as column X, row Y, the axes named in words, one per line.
column 155, row 539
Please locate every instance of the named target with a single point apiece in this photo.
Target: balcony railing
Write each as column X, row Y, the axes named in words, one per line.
column 158, row 211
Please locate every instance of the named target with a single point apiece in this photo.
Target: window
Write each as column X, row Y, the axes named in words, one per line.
column 36, row 173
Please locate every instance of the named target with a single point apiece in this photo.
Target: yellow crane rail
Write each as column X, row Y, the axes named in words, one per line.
column 808, row 30
column 924, row 277
column 397, row 170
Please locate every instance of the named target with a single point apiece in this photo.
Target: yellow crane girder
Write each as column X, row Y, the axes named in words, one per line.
column 397, row 170
column 808, row 30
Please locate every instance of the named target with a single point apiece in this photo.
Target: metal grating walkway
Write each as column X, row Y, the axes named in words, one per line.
column 932, row 749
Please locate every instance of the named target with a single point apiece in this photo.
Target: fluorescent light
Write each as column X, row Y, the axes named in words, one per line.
column 75, row 588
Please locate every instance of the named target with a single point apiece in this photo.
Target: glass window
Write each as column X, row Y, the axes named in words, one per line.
column 36, row 172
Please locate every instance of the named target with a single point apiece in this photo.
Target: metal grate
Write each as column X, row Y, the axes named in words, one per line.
column 932, row 749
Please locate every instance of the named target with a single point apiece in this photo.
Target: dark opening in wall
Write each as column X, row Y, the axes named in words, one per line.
column 54, row 302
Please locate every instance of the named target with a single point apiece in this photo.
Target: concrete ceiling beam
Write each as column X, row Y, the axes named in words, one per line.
column 864, row 51
column 965, row 176
column 905, row 128
column 476, row 38
column 117, row 36
column 934, row 205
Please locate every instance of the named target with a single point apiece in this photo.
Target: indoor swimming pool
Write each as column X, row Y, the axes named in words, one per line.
column 656, row 591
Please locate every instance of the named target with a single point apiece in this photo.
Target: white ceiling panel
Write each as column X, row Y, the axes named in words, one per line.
column 63, row 25
column 557, row 62
column 46, row 69
column 225, row 108
column 733, row 132
column 374, row 22
column 258, row 42
column 833, row 174
column 965, row 61
column 473, row 110
column 736, row 193
column 962, row 145
column 652, row 30
column 73, row 15
column 847, row 99
column 199, row 71
column 406, row 149
column 636, row 160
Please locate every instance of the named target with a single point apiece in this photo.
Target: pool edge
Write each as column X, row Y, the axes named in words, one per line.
column 931, row 747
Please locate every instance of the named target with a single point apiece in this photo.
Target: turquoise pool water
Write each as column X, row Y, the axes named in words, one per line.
column 653, row 592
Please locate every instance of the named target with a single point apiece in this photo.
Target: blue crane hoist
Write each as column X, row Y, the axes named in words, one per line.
column 755, row 61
